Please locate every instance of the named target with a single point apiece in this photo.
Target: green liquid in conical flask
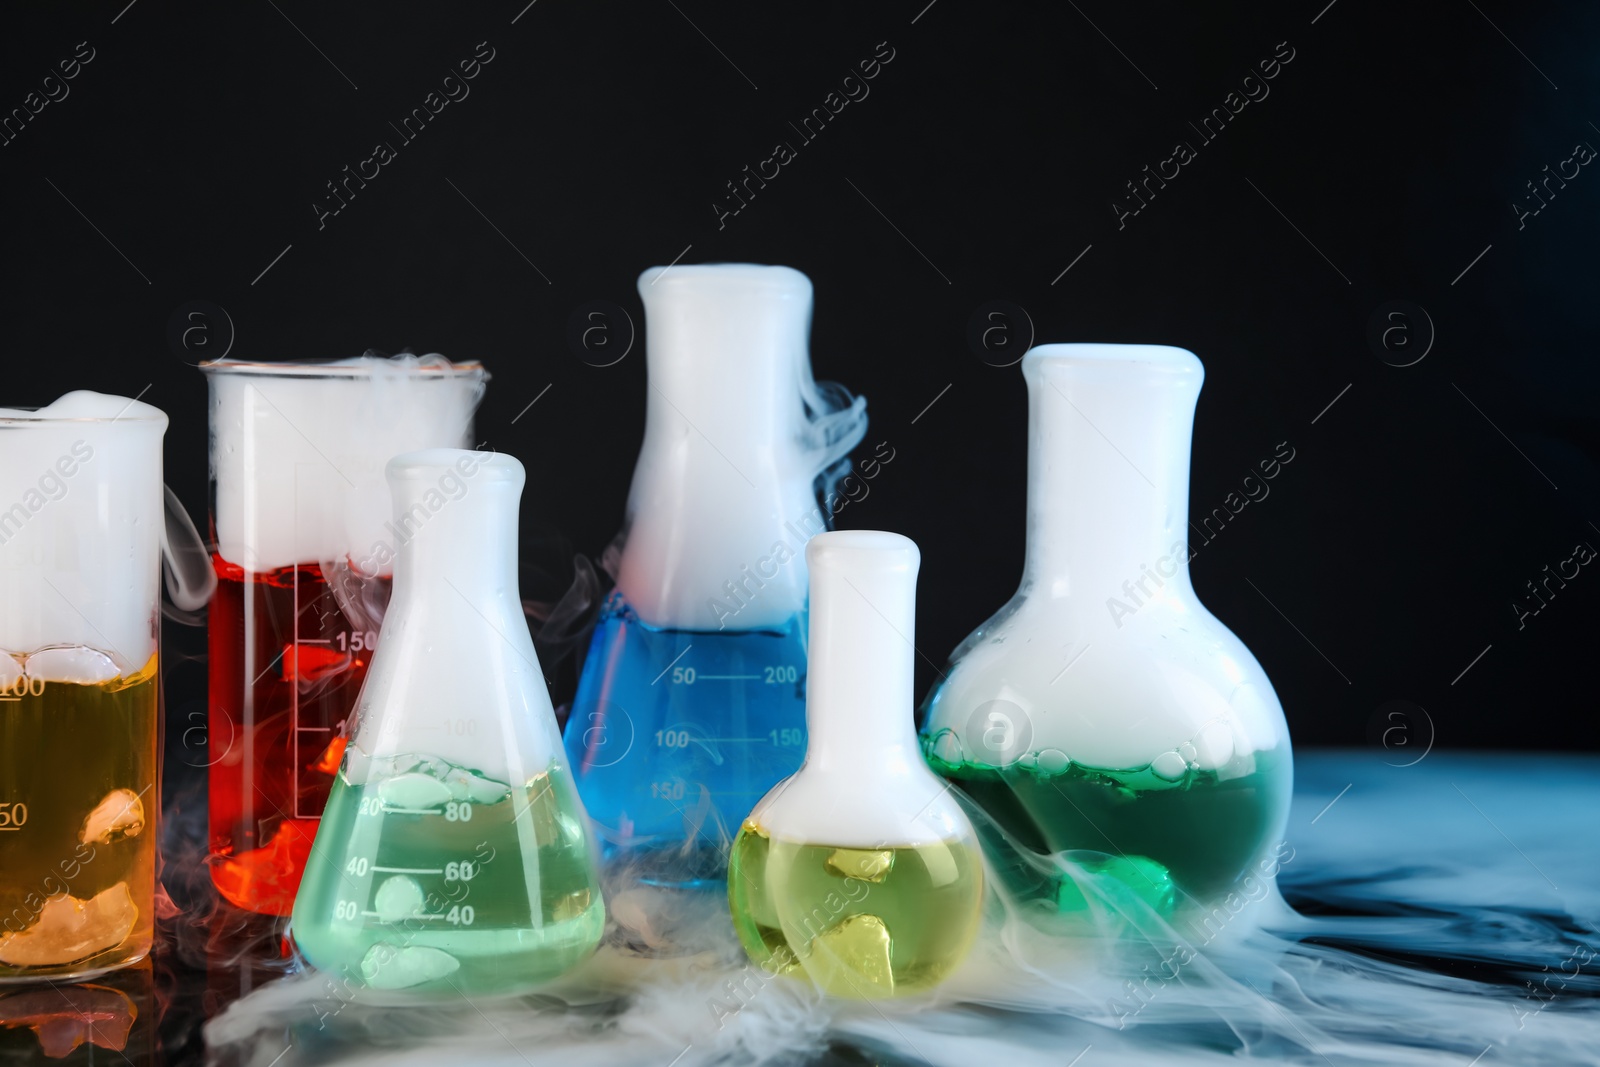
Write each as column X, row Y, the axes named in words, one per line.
column 431, row 877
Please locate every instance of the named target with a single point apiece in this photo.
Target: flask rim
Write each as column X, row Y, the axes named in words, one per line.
column 342, row 369
column 763, row 277
column 1097, row 353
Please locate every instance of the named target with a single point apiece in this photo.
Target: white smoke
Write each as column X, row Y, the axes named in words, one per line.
column 1453, row 918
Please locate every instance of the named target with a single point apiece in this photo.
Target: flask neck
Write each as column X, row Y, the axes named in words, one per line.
column 1109, row 430
column 736, row 431
column 726, row 348
column 455, row 528
column 859, row 685
column 454, row 640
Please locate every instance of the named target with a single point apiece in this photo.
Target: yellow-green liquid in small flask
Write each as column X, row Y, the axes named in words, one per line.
column 859, row 872
column 862, row 923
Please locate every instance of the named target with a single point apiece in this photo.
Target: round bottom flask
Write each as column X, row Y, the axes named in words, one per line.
column 859, row 872
column 1104, row 708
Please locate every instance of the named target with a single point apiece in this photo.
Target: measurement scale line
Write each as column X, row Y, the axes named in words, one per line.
column 411, row 811
column 725, row 677
column 410, row 870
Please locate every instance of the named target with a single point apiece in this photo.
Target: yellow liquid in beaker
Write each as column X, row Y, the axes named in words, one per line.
column 78, row 800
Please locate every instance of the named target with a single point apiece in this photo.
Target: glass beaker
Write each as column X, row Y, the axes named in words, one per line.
column 860, row 873
column 303, row 558
column 1103, row 707
column 691, row 703
column 455, row 854
column 81, row 502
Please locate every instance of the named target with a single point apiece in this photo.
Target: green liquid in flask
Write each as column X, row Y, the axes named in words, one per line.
column 861, row 923
column 1208, row 828
column 433, row 878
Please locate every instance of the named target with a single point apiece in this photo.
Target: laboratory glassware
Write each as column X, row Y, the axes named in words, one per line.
column 303, row 561
column 860, row 872
column 81, row 505
column 1104, row 708
column 691, row 702
column 454, row 854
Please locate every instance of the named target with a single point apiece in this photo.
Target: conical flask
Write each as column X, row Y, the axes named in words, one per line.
column 1104, row 707
column 454, row 853
column 691, row 704
column 860, row 872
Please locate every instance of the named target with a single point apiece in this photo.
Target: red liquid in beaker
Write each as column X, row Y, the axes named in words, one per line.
column 286, row 669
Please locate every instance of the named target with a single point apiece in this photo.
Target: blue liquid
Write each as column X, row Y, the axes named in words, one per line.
column 676, row 734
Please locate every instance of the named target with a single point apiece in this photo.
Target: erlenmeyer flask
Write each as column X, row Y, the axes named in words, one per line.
column 691, row 704
column 860, row 872
column 454, row 853
column 1104, row 707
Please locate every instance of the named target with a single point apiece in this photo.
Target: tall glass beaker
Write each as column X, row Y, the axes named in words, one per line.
column 304, row 552
column 691, row 704
column 80, row 587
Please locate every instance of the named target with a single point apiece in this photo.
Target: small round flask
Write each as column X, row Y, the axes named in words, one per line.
column 859, row 872
column 454, row 854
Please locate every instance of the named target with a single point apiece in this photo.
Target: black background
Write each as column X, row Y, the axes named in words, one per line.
column 1383, row 164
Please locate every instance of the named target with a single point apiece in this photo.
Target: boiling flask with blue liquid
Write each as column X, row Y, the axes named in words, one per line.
column 691, row 703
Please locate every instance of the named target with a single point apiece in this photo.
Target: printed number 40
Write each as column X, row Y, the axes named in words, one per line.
column 461, row 915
